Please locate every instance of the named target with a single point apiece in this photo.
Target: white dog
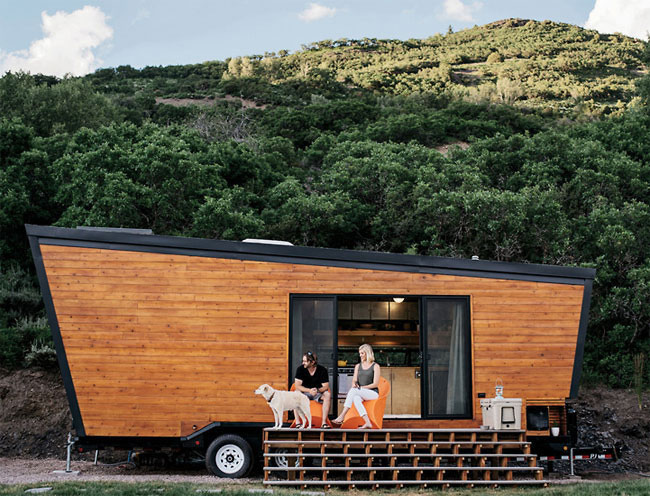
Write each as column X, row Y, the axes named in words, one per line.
column 280, row 401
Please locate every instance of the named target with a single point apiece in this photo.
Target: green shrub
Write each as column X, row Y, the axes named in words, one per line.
column 17, row 341
column 21, row 316
column 42, row 355
column 494, row 58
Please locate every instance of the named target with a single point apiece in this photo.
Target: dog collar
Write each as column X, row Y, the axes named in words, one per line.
column 271, row 398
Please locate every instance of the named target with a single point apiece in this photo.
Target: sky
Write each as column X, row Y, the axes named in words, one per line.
column 60, row 37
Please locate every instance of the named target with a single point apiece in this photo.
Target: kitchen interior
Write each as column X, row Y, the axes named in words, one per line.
column 391, row 325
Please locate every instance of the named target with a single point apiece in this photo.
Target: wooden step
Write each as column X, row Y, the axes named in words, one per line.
column 401, row 467
column 411, row 482
column 399, row 455
column 331, row 442
column 424, row 457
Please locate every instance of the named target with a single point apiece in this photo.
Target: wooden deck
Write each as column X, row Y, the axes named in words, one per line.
column 398, row 458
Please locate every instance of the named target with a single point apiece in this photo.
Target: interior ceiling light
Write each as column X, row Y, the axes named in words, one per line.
column 398, row 300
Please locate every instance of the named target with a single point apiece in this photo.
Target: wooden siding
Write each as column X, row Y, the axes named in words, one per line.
column 158, row 344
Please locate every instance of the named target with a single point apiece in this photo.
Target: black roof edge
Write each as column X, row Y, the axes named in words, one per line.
column 308, row 253
column 116, row 229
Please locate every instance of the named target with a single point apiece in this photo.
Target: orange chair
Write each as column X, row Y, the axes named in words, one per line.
column 316, row 409
column 375, row 409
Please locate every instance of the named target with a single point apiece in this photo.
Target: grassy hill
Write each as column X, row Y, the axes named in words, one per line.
column 546, row 65
column 338, row 145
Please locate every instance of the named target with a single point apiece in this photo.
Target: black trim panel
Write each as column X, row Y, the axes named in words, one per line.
column 225, row 426
column 132, row 442
column 309, row 256
column 77, row 421
column 582, row 337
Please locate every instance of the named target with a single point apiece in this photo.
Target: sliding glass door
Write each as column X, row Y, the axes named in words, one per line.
column 313, row 328
column 447, row 382
column 446, row 378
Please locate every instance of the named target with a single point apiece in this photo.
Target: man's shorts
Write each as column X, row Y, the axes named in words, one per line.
column 315, row 397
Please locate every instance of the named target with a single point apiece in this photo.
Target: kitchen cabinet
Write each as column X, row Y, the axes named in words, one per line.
column 404, row 396
column 345, row 310
column 379, row 310
column 407, row 310
column 361, row 310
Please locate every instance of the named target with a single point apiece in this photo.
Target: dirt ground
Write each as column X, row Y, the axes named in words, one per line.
column 34, row 414
column 35, row 420
column 612, row 417
column 32, row 470
column 208, row 102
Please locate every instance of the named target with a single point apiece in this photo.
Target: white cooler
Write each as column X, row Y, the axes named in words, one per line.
column 501, row 413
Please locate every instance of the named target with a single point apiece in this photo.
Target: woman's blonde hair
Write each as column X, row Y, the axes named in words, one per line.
column 370, row 355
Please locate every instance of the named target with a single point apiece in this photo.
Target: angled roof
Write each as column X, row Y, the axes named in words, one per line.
column 140, row 240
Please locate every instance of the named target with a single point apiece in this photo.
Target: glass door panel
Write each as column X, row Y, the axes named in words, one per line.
column 447, row 383
column 313, row 328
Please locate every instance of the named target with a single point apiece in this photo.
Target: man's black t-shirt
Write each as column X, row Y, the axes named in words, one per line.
column 317, row 380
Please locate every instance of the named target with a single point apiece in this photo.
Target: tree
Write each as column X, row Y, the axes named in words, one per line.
column 25, row 188
column 125, row 176
column 63, row 107
column 228, row 216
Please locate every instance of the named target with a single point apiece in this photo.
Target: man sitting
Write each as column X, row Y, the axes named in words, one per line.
column 312, row 380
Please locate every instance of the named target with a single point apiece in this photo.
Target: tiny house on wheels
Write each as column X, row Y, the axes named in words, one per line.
column 162, row 340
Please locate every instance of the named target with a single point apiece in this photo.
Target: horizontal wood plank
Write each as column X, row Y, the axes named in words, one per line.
column 156, row 340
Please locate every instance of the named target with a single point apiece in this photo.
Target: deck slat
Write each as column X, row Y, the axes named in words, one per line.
column 402, row 457
column 477, row 482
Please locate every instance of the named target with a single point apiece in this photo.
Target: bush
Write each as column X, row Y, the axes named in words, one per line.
column 41, row 355
column 21, row 316
column 28, row 335
column 494, row 58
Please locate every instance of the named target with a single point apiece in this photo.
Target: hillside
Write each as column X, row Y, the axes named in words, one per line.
column 547, row 65
column 36, row 419
column 544, row 127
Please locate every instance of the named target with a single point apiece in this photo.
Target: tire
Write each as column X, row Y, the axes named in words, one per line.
column 280, row 458
column 229, row 456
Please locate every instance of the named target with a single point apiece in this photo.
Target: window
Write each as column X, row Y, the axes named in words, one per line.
column 448, row 357
column 313, row 328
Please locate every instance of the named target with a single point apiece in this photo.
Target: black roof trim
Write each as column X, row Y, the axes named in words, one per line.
column 116, row 229
column 316, row 256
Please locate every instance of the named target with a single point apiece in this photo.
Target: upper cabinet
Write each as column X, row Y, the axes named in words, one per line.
column 378, row 310
column 361, row 310
column 407, row 310
column 345, row 310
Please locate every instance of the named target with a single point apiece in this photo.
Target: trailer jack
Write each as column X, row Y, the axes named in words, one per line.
column 68, row 471
column 68, row 455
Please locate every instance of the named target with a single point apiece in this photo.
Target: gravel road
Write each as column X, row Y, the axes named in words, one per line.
column 28, row 471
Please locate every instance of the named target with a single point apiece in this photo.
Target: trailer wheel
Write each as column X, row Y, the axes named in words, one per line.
column 280, row 458
column 229, row 456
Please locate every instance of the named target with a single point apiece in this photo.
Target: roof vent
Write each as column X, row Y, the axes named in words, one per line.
column 474, row 257
column 267, row 242
column 116, row 229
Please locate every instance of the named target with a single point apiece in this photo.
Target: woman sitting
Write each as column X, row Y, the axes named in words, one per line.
column 365, row 386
